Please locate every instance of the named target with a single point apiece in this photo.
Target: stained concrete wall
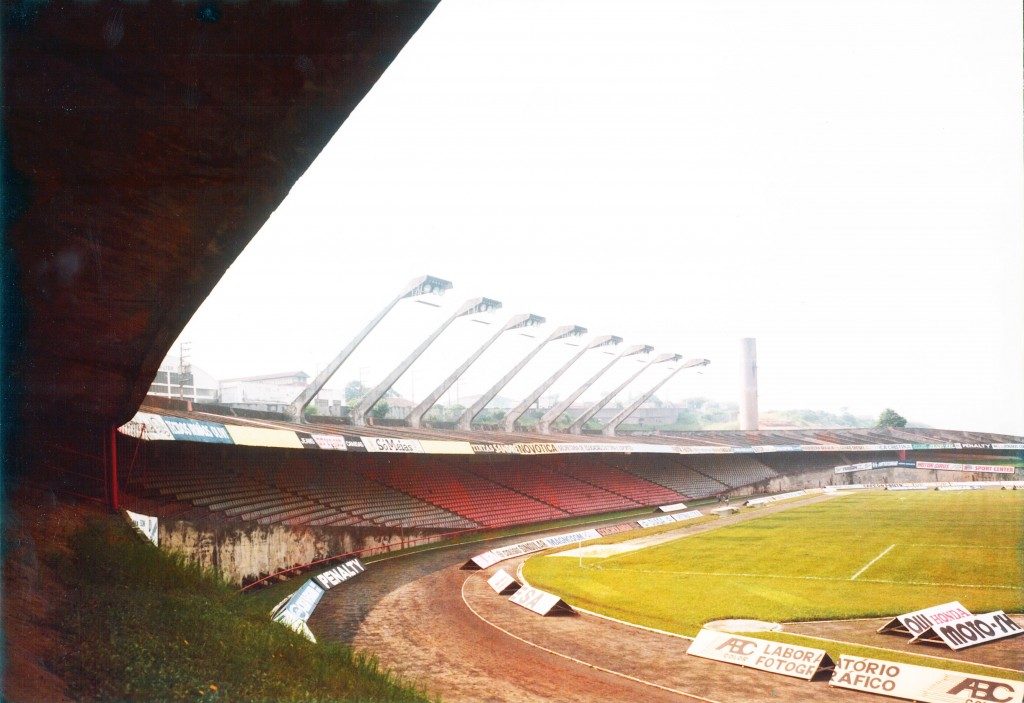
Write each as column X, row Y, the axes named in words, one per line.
column 243, row 552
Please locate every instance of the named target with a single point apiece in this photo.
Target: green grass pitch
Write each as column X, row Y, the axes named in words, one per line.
column 862, row 555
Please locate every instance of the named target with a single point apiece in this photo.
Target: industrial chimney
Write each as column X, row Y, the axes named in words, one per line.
column 748, row 394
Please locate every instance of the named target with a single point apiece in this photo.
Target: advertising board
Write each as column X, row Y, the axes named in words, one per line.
column 340, row 574
column 654, row 521
column 917, row 622
column 263, row 437
column 775, row 657
column 973, row 630
column 922, row 683
column 503, row 583
column 147, row 525
column 197, row 430
column 540, row 602
column 392, row 445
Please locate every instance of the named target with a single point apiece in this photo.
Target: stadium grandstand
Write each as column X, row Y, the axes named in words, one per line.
column 145, row 145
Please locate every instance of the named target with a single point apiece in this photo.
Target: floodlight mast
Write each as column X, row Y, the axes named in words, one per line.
column 416, row 287
column 466, row 418
column 544, row 425
column 577, row 425
column 518, row 411
column 470, row 307
column 609, row 429
column 516, row 322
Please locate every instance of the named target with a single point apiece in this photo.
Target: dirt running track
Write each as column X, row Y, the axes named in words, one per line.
column 446, row 630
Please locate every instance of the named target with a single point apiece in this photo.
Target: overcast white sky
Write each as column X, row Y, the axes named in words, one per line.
column 842, row 180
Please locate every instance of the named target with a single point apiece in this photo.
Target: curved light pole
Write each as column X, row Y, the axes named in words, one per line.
column 415, row 287
column 466, row 418
column 544, row 425
column 577, row 425
column 516, row 322
column 517, row 412
column 470, row 307
column 609, row 429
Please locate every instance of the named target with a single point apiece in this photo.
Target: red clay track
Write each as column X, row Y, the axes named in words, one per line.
column 446, row 630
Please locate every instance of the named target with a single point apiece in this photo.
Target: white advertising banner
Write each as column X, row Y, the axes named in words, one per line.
column 535, row 448
column 147, row 525
column 334, row 442
column 919, row 621
column 503, row 583
column 654, row 521
column 976, row 629
column 671, row 508
column 433, row 446
column 1008, row 446
column 775, row 657
column 147, row 426
column 703, row 450
column 540, row 602
column 482, row 561
column 688, row 515
column 908, row 487
column 392, row 445
column 340, row 574
column 571, row 538
column 922, row 683
column 519, row 549
column 590, row 447
column 651, row 448
column 966, row 468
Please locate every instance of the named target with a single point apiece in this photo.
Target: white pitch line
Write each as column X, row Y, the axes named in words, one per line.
column 865, row 567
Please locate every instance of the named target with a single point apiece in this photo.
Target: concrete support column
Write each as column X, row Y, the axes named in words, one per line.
column 748, row 394
column 417, row 286
column 470, row 307
column 544, row 426
column 465, row 420
column 519, row 321
column 609, row 429
column 517, row 412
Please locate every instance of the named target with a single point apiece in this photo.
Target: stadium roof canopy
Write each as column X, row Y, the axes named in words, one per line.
column 146, row 144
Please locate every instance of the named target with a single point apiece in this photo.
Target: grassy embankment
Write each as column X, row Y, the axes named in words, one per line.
column 144, row 625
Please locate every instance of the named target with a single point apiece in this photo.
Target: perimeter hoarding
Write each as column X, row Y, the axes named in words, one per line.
column 197, row 430
column 263, row 437
column 148, row 525
column 147, row 426
column 295, row 610
column 973, row 630
column 392, row 445
column 340, row 574
column 922, row 683
column 917, row 622
column 776, row 657
column 655, row 521
column 502, row 583
column 541, row 602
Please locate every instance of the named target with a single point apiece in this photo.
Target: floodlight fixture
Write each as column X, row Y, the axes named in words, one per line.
column 472, row 306
column 418, row 286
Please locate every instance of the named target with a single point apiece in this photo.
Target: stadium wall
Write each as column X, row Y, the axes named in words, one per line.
column 243, row 552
